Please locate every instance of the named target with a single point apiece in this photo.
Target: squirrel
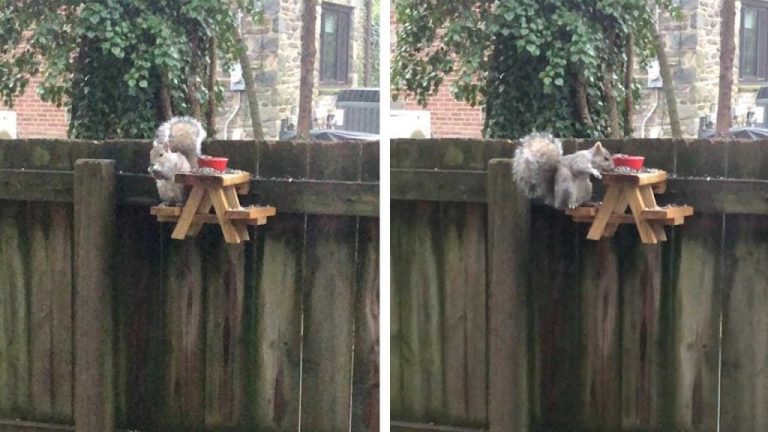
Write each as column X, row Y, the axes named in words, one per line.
column 542, row 172
column 164, row 164
column 184, row 135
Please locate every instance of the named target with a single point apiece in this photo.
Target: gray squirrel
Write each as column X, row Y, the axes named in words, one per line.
column 542, row 172
column 175, row 149
column 164, row 166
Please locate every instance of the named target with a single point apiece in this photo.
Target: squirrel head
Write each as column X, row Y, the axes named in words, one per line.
column 601, row 158
column 163, row 164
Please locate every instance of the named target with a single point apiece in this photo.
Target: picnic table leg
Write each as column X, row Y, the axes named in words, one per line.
column 647, row 233
column 604, row 213
column 188, row 213
column 234, row 203
column 203, row 209
column 649, row 202
column 621, row 208
column 219, row 199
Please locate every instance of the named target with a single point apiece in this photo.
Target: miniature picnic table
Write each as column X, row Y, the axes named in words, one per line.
column 636, row 192
column 219, row 192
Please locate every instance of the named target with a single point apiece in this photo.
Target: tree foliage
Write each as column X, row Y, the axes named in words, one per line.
column 120, row 64
column 535, row 64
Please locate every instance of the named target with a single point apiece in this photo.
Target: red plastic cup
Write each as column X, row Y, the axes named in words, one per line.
column 217, row 163
column 632, row 162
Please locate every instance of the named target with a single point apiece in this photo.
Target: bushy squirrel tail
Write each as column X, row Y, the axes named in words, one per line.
column 185, row 135
column 535, row 165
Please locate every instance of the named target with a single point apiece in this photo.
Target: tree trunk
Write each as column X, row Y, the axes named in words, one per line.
column 668, row 84
column 166, row 109
column 194, row 71
column 250, row 90
column 629, row 69
column 727, row 52
column 582, row 100
column 308, row 53
column 612, row 102
column 212, row 70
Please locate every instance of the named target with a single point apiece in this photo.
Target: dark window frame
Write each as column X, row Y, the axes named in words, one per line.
column 343, row 50
column 761, row 48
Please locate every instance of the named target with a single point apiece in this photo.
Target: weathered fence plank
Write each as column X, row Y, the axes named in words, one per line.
column 745, row 324
column 508, row 240
column 556, row 319
column 640, row 267
column 184, row 377
column 463, row 264
column 224, row 358
column 14, row 371
column 139, row 302
column 420, row 338
column 365, row 376
column 601, row 380
column 329, row 290
column 40, row 329
column 696, row 325
column 94, row 245
column 62, row 361
column 277, row 274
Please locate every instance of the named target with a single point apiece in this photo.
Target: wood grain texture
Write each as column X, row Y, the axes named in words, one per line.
column 329, row 287
column 601, row 373
column 696, row 324
column 419, row 340
column 365, row 376
column 184, row 330
column 463, row 269
column 508, row 241
column 224, row 325
column 641, row 356
column 139, row 301
column 277, row 273
column 94, row 252
column 14, row 370
column 745, row 324
column 556, row 319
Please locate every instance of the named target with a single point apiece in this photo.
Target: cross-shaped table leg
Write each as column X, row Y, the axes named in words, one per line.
column 188, row 212
column 611, row 201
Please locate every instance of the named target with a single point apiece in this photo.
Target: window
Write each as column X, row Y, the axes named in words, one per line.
column 753, row 42
column 334, row 44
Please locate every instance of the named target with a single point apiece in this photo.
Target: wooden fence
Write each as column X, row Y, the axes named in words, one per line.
column 104, row 320
column 499, row 328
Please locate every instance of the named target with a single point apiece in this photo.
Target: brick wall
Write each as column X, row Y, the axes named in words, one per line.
column 451, row 118
column 38, row 119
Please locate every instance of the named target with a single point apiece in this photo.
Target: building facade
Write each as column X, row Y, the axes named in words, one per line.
column 274, row 47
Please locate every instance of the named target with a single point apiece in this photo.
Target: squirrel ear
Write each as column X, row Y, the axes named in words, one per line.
column 598, row 146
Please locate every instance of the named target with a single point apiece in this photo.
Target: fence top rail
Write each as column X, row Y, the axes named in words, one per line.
column 343, row 161
column 737, row 159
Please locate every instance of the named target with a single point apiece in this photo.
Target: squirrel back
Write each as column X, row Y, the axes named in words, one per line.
column 184, row 135
column 535, row 165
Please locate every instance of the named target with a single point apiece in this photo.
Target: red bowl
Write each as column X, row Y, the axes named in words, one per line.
column 217, row 163
column 632, row 162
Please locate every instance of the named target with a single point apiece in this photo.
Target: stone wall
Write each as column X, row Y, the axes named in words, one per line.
column 274, row 48
column 693, row 48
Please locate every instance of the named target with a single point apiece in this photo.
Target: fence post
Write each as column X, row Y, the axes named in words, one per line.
column 94, row 245
column 508, row 231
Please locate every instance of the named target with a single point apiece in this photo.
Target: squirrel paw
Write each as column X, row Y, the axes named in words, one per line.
column 597, row 174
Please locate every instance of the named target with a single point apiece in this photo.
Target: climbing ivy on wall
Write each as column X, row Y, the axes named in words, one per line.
column 121, row 65
column 534, row 64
